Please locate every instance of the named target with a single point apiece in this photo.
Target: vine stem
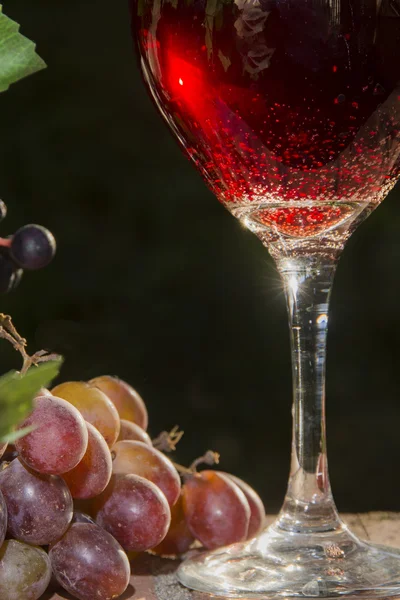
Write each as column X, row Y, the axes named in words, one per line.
column 8, row 332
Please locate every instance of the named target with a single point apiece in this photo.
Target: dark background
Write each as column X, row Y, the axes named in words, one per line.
column 155, row 282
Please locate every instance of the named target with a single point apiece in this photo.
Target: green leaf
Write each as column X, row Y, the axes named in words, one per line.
column 18, row 391
column 18, row 58
column 12, row 437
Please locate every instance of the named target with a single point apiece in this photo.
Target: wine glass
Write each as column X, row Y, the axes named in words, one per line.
column 290, row 109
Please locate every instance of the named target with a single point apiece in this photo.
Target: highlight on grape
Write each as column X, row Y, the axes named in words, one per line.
column 88, row 486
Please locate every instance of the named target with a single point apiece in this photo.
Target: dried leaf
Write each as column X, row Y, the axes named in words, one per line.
column 225, row 60
column 211, row 10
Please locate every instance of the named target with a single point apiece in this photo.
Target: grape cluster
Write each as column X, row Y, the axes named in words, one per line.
column 31, row 247
column 87, row 488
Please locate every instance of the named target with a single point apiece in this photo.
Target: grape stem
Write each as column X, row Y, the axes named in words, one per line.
column 168, row 441
column 5, row 242
column 209, row 458
column 9, row 333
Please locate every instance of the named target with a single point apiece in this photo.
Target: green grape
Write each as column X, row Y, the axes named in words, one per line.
column 25, row 571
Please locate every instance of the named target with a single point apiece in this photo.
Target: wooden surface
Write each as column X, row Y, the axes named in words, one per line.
column 154, row 578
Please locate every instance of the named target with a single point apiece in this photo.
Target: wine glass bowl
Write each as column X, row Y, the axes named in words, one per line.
column 290, row 110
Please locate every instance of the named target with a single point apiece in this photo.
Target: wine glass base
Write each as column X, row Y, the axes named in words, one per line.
column 307, row 565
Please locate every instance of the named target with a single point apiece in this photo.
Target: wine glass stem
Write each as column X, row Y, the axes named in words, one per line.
column 309, row 506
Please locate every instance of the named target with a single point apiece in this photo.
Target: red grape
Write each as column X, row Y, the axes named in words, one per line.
column 128, row 402
column 257, row 516
column 25, row 571
column 140, row 459
column 216, row 509
column 134, row 511
column 94, row 406
column 131, row 431
column 59, row 440
column 91, row 476
column 39, row 506
column 179, row 538
column 3, row 519
column 90, row 564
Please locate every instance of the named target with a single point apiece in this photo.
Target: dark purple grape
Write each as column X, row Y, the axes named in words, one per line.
column 39, row 506
column 3, row 519
column 25, row 571
column 3, row 210
column 10, row 274
column 90, row 564
column 33, row 247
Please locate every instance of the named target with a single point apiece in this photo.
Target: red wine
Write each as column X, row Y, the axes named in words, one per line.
column 290, row 109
